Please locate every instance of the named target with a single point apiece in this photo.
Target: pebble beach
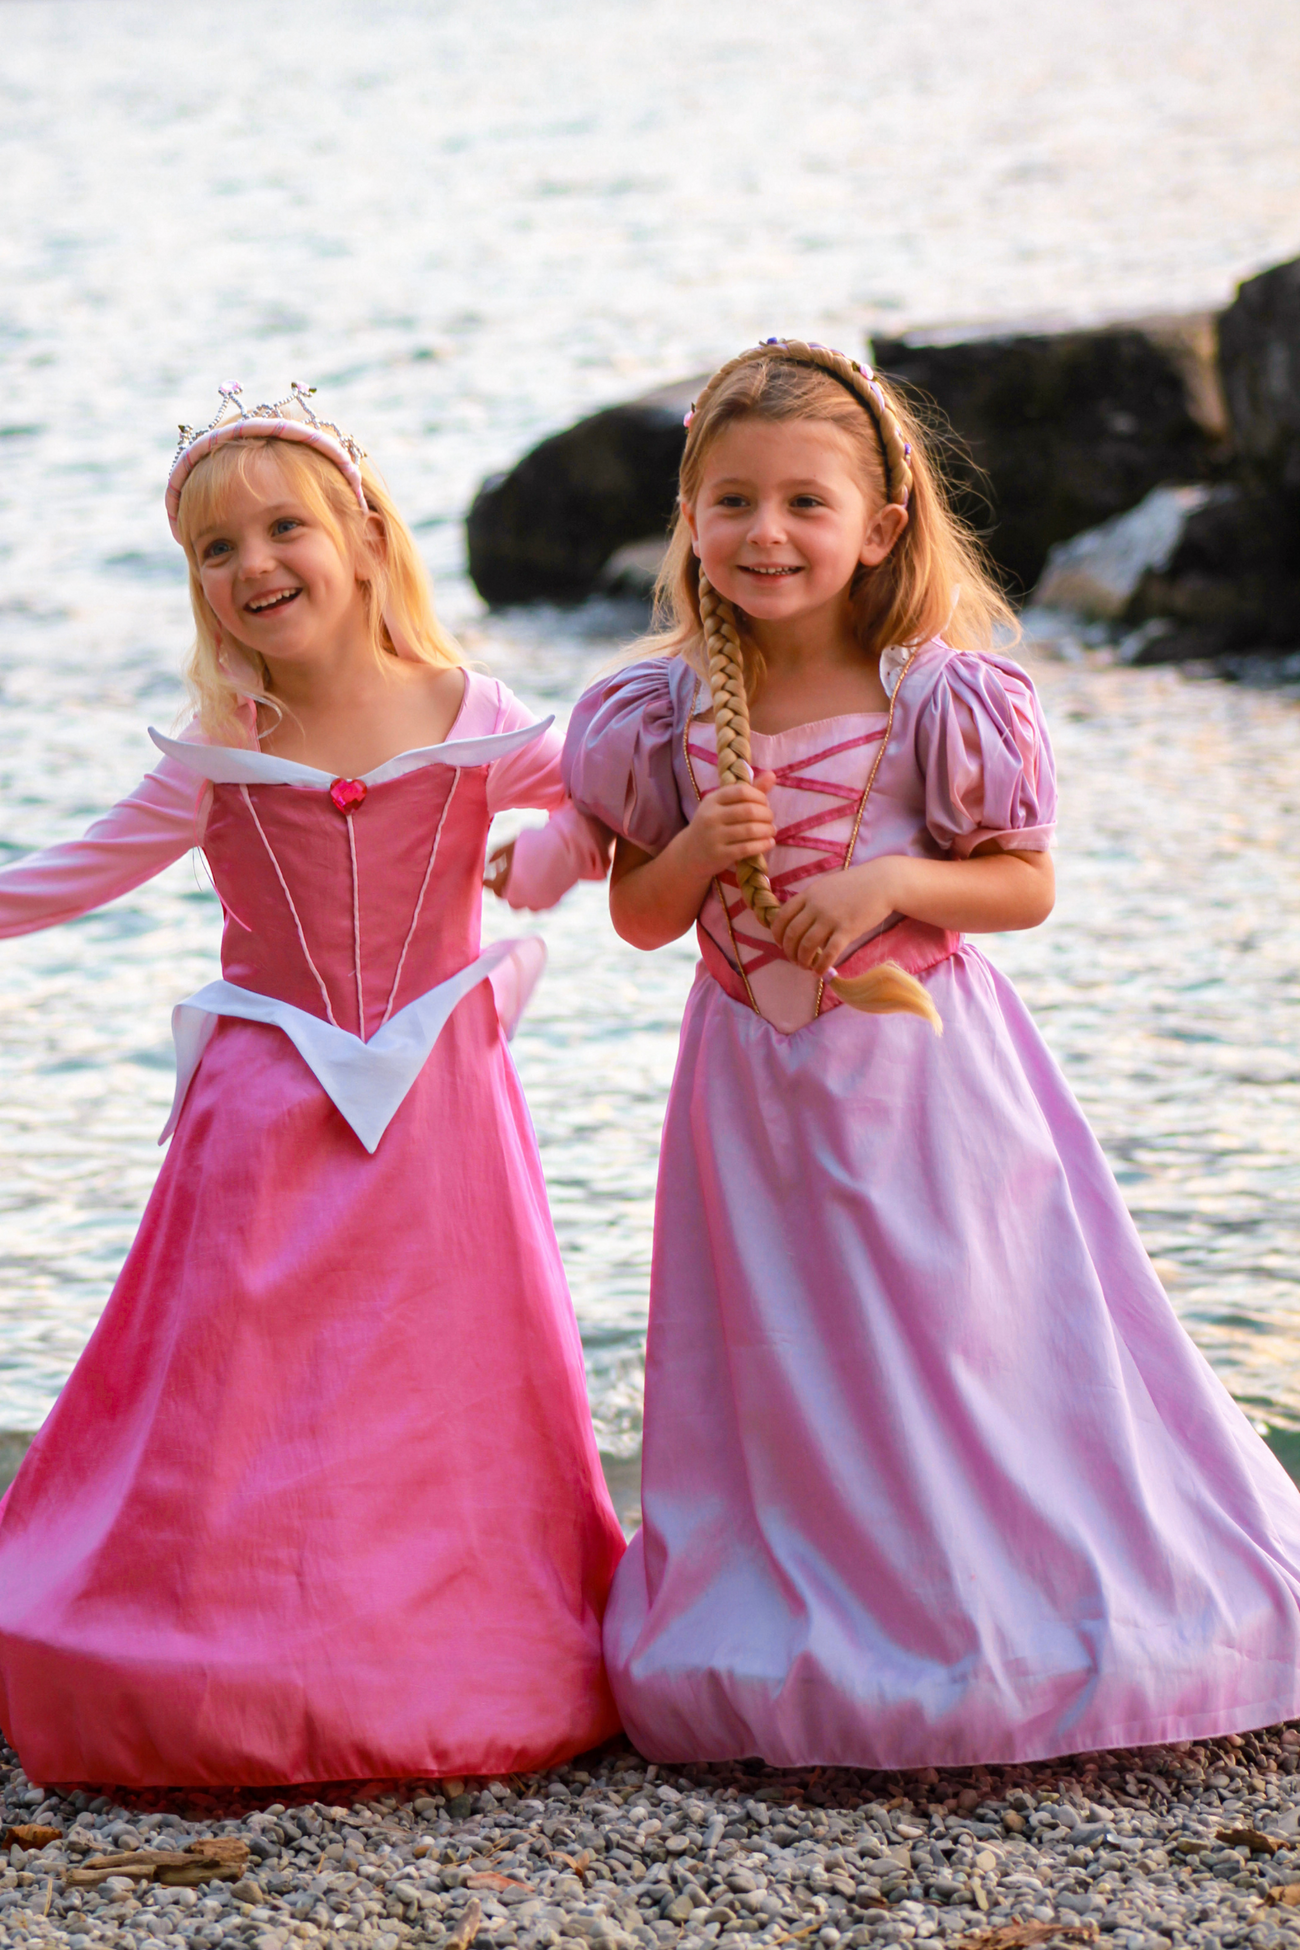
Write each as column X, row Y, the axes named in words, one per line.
column 1192, row 1844
column 466, row 253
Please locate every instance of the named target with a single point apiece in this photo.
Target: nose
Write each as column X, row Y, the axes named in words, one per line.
column 767, row 527
column 254, row 556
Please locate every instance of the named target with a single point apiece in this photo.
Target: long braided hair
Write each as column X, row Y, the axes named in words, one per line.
column 934, row 579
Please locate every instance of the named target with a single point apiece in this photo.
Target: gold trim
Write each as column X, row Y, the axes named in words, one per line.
column 853, row 837
column 862, row 803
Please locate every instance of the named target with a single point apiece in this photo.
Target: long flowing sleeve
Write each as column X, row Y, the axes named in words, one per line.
column 143, row 833
column 549, row 859
column 986, row 758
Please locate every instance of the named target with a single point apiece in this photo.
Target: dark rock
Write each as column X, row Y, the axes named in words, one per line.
column 546, row 529
column 1259, row 352
column 1097, row 574
column 1057, row 432
column 1231, row 584
column 633, row 571
column 1195, row 572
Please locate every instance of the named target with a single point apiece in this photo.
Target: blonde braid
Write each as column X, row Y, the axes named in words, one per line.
column 885, row 989
column 731, row 726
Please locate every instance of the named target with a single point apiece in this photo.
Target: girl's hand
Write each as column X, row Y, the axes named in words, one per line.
column 816, row 927
column 500, row 861
column 733, row 823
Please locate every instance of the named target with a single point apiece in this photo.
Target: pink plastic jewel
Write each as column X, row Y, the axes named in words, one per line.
column 347, row 794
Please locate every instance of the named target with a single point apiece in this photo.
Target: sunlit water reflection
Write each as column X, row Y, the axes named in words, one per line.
column 470, row 228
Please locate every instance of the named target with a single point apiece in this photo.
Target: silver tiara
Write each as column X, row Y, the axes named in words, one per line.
column 296, row 405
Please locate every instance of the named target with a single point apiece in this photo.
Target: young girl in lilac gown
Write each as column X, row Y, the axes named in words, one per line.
column 321, row 1501
column 932, row 1474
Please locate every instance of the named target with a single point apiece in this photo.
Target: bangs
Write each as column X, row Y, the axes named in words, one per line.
column 307, row 475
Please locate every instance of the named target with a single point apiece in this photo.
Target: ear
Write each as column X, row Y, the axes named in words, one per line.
column 374, row 543
column 886, row 525
column 689, row 513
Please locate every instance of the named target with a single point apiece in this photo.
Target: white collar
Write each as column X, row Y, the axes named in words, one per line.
column 232, row 765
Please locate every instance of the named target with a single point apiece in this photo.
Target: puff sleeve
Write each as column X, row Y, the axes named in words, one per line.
column 986, row 759
column 619, row 754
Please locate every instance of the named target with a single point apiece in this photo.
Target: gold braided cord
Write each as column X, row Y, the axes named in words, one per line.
column 883, row 990
column 857, row 379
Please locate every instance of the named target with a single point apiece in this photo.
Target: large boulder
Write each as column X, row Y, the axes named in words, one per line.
column 1259, row 351
column 1059, row 431
column 1098, row 574
column 1194, row 572
column 546, row 529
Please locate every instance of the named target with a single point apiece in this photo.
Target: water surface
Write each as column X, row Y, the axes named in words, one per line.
column 468, row 225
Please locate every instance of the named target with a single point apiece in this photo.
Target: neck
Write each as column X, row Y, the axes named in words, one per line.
column 341, row 674
column 813, row 667
column 821, row 639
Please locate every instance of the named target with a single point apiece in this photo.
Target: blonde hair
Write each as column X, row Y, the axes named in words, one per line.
column 395, row 588
column 934, row 581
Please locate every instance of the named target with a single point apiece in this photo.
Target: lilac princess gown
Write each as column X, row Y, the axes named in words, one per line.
column 932, row 1474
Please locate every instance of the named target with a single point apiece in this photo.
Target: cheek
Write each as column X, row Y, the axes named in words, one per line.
column 215, row 587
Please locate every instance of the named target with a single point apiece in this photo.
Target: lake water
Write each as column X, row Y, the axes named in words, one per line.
column 468, row 225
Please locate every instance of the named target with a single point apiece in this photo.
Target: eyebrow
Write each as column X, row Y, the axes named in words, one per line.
column 273, row 513
column 799, row 483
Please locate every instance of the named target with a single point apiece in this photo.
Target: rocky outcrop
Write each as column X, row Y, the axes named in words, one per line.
column 1212, row 572
column 1057, row 432
column 1052, row 433
column 1259, row 346
column 1211, row 566
column 547, row 528
column 1098, row 574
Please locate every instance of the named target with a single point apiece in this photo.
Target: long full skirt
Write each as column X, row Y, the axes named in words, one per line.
column 932, row 1473
column 321, row 1499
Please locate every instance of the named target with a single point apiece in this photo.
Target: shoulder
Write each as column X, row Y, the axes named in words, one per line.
column 659, row 689
column 977, row 683
column 488, row 706
column 621, row 745
column 241, row 733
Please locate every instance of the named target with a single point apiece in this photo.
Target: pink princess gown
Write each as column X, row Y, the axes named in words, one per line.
column 932, row 1475
column 321, row 1501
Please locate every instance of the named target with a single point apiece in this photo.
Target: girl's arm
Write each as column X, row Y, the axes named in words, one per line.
column 143, row 833
column 536, row 869
column 654, row 898
column 992, row 892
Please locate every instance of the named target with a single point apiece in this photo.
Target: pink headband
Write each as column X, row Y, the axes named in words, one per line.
column 288, row 419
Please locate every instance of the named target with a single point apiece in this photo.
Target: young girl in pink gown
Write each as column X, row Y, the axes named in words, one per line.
column 932, row 1474
column 321, row 1500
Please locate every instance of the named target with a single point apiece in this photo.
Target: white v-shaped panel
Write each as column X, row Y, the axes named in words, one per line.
column 366, row 1082
column 231, row 765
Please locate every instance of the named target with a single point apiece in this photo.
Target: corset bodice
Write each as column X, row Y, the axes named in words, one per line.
column 316, row 899
column 821, row 773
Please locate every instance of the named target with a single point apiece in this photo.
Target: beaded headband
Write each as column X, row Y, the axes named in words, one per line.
column 859, row 380
column 290, row 418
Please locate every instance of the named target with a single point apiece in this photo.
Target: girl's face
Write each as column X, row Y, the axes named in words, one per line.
column 273, row 573
column 782, row 519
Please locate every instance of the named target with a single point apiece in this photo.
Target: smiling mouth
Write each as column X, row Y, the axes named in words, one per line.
column 773, row 573
column 280, row 599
